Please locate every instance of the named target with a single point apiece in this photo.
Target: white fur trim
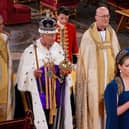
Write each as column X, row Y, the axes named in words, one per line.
column 47, row 32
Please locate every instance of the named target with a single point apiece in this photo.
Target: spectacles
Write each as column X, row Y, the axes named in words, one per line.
column 104, row 16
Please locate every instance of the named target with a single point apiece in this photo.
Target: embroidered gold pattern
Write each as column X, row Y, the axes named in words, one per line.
column 65, row 40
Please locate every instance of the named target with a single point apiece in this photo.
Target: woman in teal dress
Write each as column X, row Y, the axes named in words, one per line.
column 116, row 95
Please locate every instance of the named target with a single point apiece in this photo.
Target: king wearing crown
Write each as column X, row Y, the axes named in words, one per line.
column 45, row 74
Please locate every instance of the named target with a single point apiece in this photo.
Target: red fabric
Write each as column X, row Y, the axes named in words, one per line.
column 14, row 13
column 52, row 4
column 70, row 40
column 19, row 8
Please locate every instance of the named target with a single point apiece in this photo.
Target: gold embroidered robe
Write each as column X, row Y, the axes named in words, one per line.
column 6, row 95
column 87, row 86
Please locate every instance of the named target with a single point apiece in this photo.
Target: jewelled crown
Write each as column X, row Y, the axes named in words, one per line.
column 47, row 25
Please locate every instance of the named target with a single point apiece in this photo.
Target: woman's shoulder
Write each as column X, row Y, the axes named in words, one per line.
column 112, row 85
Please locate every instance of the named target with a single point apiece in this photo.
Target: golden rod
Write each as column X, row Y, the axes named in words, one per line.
column 37, row 64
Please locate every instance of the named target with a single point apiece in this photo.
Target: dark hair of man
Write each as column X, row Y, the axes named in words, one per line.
column 63, row 10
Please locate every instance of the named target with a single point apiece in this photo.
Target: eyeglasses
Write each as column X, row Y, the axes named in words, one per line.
column 104, row 16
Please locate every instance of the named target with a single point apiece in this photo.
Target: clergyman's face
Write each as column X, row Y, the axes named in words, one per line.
column 102, row 18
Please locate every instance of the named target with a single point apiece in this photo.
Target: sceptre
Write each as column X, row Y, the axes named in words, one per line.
column 37, row 64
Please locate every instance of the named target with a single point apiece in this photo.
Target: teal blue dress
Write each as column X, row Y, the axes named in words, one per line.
column 110, row 97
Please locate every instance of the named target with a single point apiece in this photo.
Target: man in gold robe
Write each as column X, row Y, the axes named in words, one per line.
column 95, row 68
column 6, row 105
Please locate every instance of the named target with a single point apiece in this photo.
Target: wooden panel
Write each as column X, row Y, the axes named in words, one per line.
column 124, row 19
column 15, row 124
column 119, row 4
